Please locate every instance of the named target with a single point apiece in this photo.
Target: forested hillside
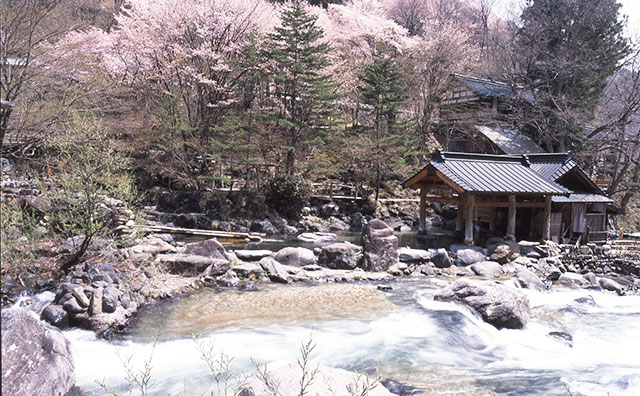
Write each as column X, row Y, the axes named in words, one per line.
column 203, row 94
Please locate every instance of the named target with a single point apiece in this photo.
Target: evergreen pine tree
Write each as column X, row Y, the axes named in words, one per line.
column 565, row 51
column 382, row 90
column 297, row 59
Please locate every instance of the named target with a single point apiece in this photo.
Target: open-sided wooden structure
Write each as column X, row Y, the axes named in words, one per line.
column 508, row 193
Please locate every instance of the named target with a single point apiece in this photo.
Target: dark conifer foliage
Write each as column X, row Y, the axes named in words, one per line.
column 567, row 49
column 297, row 60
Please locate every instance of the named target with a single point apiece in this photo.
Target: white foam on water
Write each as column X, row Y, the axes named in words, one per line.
column 429, row 341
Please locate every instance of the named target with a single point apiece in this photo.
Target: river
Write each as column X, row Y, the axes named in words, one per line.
column 440, row 348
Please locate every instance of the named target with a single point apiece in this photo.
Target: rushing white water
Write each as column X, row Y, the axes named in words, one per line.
column 441, row 348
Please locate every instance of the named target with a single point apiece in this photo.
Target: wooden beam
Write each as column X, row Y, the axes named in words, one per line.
column 546, row 225
column 505, row 204
column 511, row 225
column 468, row 228
column 423, row 209
column 449, row 182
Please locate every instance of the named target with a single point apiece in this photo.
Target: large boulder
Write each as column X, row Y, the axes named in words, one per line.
column 489, row 269
column 36, row 359
column 379, row 245
column 408, row 255
column 193, row 265
column 504, row 253
column 610, row 284
column 207, row 248
column 528, row 279
column 275, row 271
column 295, row 256
column 339, row 256
column 573, row 280
column 501, row 306
column 465, row 257
column 441, row 259
column 286, row 378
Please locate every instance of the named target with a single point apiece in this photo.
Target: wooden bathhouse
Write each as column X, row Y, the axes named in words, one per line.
column 538, row 195
column 473, row 117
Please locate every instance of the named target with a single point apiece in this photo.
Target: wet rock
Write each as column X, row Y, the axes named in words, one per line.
column 327, row 381
column 36, row 359
column 489, row 269
column 95, row 307
column 340, row 256
column 192, row 265
column 252, row 255
column 563, row 337
column 82, row 298
column 275, row 271
column 248, row 270
column 295, row 256
column 586, row 300
column 317, row 237
column 498, row 305
column 572, row 280
column 591, row 277
column 379, row 246
column 465, row 257
column 312, row 267
column 425, row 269
column 110, row 298
column 503, row 253
column 230, row 279
column 408, row 255
column 398, row 388
column 207, row 248
column 56, row 315
column 249, row 286
column 71, row 305
column 610, row 284
column 441, row 259
column 529, row 280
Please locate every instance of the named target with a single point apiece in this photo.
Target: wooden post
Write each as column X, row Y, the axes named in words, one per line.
column 511, row 225
column 423, row 210
column 468, row 227
column 546, row 226
column 460, row 215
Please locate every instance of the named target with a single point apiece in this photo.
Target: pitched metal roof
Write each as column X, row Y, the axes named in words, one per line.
column 509, row 140
column 552, row 165
column 582, row 197
column 491, row 88
column 490, row 174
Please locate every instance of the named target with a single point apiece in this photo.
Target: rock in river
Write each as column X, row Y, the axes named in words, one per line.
column 339, row 256
column 295, row 256
column 499, row 305
column 379, row 246
column 36, row 359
